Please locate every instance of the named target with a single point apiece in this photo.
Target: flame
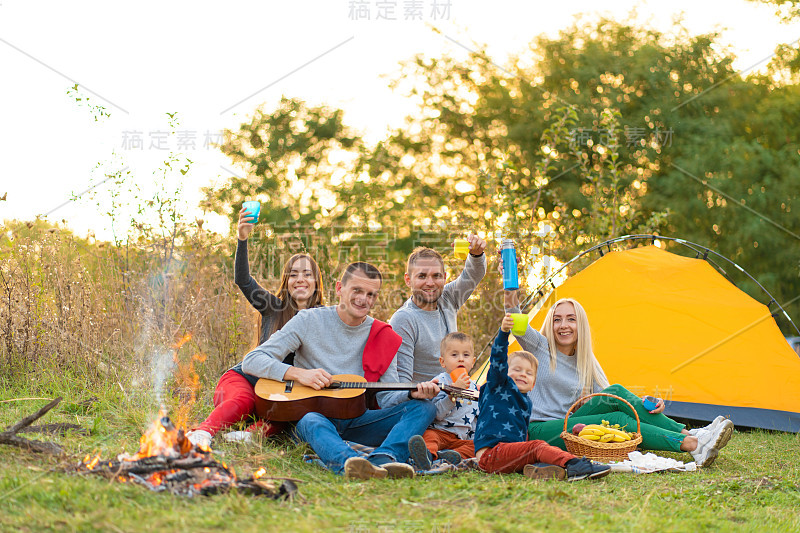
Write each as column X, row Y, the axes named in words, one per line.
column 186, row 380
column 161, row 440
column 186, row 338
column 91, row 463
column 157, row 478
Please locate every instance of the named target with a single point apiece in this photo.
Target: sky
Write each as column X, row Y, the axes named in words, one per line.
column 214, row 63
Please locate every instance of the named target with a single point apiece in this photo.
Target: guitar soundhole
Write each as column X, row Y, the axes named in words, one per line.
column 289, row 387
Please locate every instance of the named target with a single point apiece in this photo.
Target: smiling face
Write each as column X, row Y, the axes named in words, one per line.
column 565, row 328
column 457, row 354
column 426, row 279
column 356, row 295
column 522, row 372
column 301, row 283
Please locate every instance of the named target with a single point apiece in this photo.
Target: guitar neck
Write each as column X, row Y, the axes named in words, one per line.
column 373, row 386
column 460, row 393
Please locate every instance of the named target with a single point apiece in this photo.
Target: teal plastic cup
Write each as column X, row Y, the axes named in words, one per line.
column 253, row 209
column 650, row 402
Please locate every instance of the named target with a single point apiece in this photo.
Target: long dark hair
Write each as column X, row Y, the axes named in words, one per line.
column 288, row 305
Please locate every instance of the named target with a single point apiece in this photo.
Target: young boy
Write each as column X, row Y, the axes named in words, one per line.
column 502, row 429
column 449, row 436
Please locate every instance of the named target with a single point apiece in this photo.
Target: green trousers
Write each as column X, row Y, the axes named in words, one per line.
column 659, row 432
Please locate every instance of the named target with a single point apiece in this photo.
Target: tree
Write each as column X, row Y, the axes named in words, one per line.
column 699, row 138
column 605, row 130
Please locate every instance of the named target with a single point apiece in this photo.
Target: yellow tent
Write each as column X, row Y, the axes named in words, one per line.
column 672, row 326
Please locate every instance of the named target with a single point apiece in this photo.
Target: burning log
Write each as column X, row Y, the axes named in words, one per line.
column 168, row 461
column 9, row 435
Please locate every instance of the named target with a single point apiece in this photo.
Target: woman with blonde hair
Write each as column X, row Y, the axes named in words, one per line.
column 568, row 370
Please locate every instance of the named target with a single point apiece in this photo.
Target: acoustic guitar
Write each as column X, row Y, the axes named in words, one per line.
column 289, row 401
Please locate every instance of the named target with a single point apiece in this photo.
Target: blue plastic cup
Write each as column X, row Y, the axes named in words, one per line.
column 253, row 209
column 650, row 402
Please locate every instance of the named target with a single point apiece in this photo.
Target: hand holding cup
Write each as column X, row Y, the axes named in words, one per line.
column 507, row 323
column 460, row 378
column 476, row 245
column 244, row 227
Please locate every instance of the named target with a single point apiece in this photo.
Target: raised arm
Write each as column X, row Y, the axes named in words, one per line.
column 258, row 296
column 498, row 359
column 458, row 290
column 532, row 338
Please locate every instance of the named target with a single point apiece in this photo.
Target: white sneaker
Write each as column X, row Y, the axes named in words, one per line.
column 705, row 453
column 200, row 438
column 709, row 443
column 711, row 427
column 239, row 436
column 723, row 433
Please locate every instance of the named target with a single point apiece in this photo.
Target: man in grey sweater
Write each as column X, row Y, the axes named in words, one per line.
column 430, row 313
column 331, row 340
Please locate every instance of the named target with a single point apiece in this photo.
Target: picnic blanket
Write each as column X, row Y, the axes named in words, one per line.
column 437, row 467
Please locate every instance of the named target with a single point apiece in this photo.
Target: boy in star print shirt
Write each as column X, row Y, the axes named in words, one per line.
column 502, row 428
column 450, row 435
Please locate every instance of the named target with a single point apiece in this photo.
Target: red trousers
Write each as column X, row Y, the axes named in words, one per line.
column 439, row 439
column 235, row 400
column 508, row 457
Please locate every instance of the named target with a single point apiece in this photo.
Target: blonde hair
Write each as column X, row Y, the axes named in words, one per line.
column 528, row 356
column 589, row 371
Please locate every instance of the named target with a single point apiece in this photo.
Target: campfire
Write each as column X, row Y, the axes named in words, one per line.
column 168, row 461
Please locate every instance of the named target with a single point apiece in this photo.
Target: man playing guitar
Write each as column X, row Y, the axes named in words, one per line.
column 331, row 340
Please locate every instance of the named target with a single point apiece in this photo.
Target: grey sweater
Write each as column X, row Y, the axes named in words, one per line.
column 422, row 331
column 554, row 392
column 455, row 416
column 319, row 339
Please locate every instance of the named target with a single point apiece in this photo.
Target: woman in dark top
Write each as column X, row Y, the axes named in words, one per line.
column 300, row 288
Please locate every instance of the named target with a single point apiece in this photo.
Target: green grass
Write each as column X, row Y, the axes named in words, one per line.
column 754, row 485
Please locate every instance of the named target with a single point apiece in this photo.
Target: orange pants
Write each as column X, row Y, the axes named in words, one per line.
column 439, row 439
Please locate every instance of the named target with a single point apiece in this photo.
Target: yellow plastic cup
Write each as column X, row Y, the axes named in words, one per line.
column 461, row 248
column 520, row 324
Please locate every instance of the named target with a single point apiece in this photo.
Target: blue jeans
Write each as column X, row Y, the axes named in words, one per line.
column 388, row 430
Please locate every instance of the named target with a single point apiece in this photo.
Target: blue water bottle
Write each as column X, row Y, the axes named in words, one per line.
column 510, row 275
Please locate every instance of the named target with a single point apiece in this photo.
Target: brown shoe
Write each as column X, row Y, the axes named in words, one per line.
column 360, row 468
column 398, row 470
column 544, row 472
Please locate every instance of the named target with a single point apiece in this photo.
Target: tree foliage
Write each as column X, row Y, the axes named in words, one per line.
column 604, row 130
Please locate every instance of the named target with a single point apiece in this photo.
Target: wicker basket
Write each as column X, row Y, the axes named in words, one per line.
column 601, row 451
